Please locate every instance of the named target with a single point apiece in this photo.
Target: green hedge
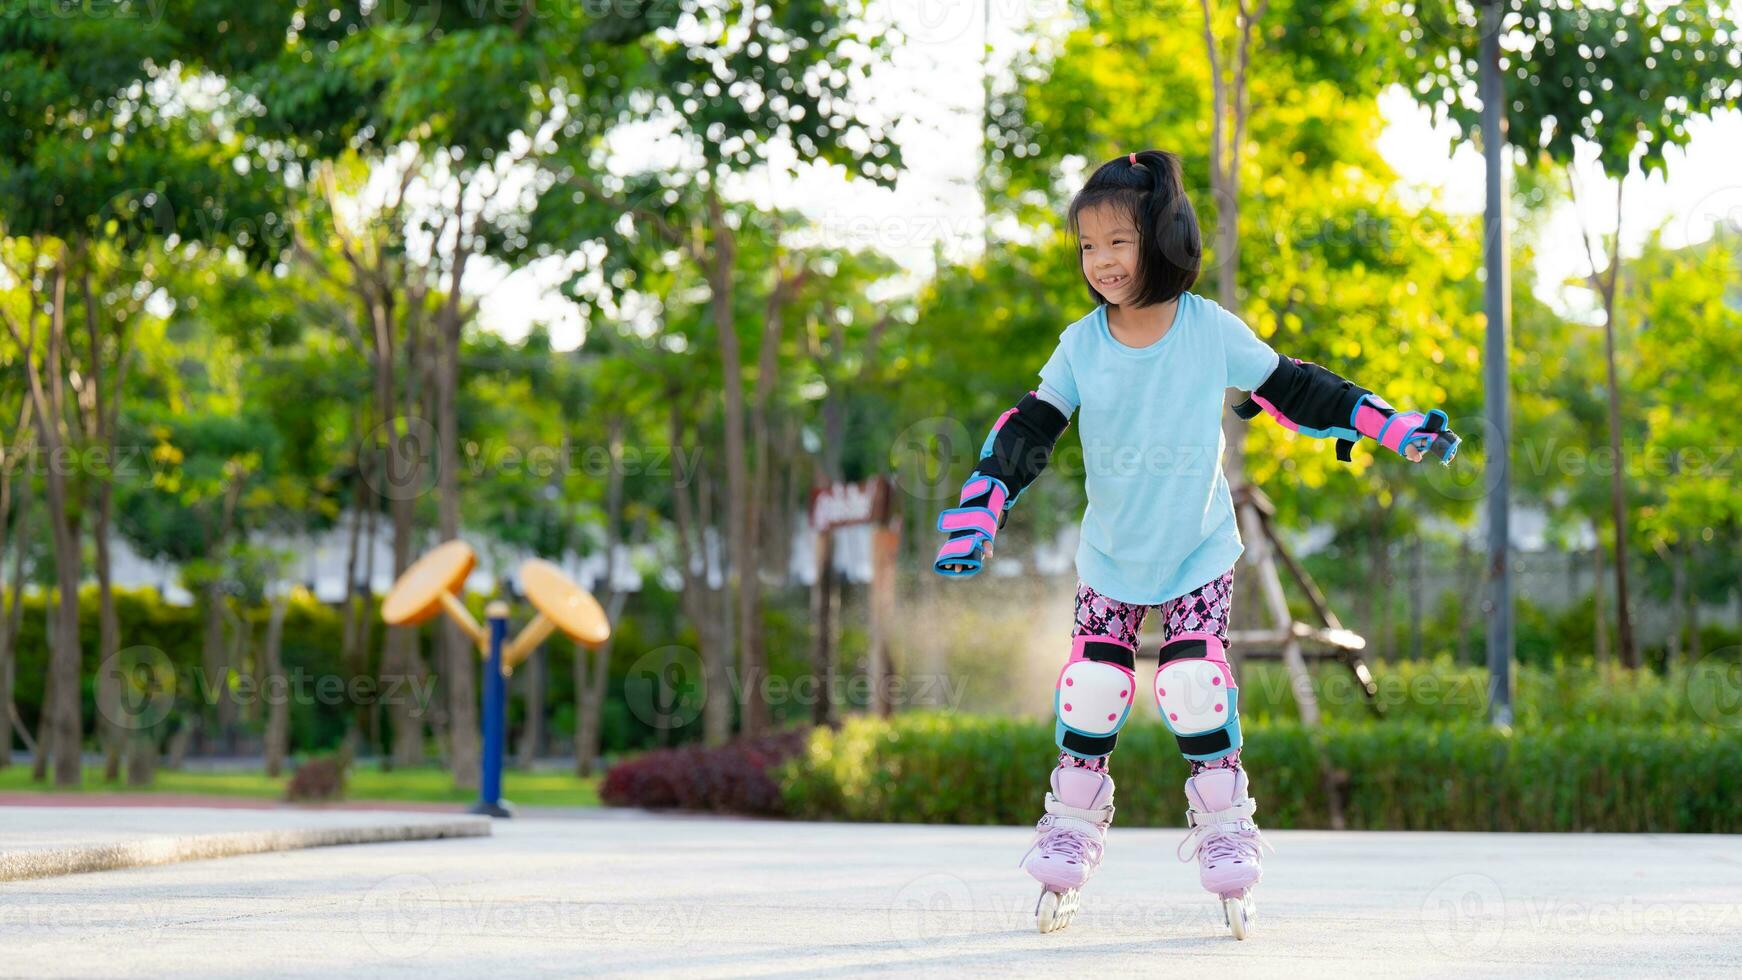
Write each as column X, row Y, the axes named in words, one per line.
column 1559, row 694
column 1402, row 775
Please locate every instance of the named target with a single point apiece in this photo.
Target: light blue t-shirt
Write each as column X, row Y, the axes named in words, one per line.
column 1160, row 520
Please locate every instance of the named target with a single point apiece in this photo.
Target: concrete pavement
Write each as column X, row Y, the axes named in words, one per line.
column 610, row 892
column 40, row 842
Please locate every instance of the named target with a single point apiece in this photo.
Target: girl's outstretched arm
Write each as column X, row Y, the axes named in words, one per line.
column 1012, row 457
column 1313, row 401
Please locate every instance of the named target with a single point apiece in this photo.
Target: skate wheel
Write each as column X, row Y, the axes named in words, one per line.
column 1055, row 910
column 1239, row 912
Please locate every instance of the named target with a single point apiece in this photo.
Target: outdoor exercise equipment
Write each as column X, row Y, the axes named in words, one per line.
column 432, row 585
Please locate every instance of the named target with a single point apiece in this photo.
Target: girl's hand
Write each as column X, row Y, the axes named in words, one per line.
column 1412, row 435
column 971, row 525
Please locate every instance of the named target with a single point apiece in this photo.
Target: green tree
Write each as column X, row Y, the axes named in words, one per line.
column 1623, row 77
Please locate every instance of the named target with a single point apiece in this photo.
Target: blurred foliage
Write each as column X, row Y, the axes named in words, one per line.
column 181, row 155
column 1405, row 775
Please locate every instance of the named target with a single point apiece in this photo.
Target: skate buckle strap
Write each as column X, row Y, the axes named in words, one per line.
column 1095, row 818
column 1242, row 810
column 1228, row 832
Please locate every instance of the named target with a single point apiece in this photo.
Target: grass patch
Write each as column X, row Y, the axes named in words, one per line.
column 423, row 785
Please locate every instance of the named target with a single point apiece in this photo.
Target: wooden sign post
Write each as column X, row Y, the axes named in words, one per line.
column 842, row 505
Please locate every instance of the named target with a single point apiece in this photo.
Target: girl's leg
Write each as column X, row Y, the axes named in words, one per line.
column 1203, row 703
column 1203, row 610
column 1093, row 697
column 1097, row 615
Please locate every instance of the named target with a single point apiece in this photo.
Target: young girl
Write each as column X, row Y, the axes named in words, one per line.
column 1146, row 372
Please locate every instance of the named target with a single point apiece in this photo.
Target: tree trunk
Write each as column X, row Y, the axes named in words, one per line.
column 586, row 738
column 1604, row 285
column 349, row 641
column 590, row 687
column 1417, row 597
column 63, row 725
column 1382, row 581
column 274, row 686
column 458, row 658
column 13, row 614
column 1678, row 559
column 237, row 665
column 1365, row 610
column 400, row 661
column 45, row 720
column 103, row 413
column 110, row 732
column 532, row 694
column 368, row 714
column 1597, row 589
column 214, row 688
column 1468, row 578
column 705, row 606
column 885, row 551
column 1618, row 503
column 823, row 630
column 741, row 563
column 1696, row 649
column 399, row 666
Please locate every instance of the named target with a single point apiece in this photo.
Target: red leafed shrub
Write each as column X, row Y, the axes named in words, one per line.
column 733, row 778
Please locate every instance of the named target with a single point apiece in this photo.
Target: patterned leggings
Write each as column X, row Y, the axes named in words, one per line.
column 1204, row 608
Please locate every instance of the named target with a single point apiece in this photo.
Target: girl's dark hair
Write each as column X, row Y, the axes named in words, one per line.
column 1152, row 193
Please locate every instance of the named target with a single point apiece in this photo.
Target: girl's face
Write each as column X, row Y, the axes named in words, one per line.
column 1108, row 243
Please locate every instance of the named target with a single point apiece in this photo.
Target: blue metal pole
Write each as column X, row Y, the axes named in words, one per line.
column 495, row 717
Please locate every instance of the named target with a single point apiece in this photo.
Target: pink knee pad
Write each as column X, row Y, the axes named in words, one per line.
column 1198, row 698
column 1094, row 695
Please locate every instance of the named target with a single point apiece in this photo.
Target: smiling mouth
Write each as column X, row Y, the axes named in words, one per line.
column 1112, row 283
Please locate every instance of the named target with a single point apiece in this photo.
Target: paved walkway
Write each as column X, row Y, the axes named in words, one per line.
column 13, row 798
column 41, row 842
column 627, row 893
